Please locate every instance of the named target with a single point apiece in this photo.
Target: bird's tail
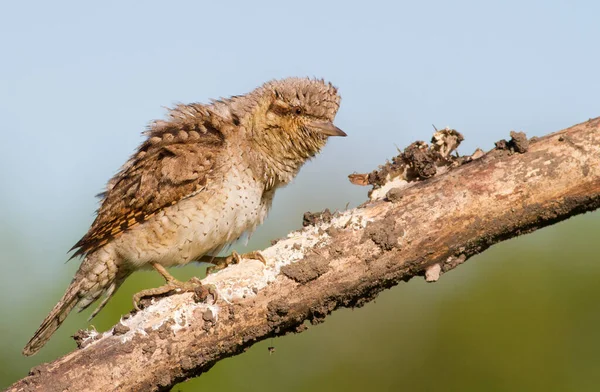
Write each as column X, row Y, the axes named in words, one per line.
column 94, row 278
column 56, row 317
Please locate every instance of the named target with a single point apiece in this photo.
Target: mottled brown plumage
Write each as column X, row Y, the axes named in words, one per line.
column 173, row 163
column 201, row 179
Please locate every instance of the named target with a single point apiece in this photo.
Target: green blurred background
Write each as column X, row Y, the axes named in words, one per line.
column 79, row 82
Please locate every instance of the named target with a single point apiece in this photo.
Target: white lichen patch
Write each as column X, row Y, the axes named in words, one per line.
column 178, row 308
column 238, row 281
column 250, row 276
column 352, row 219
column 184, row 315
column 398, row 182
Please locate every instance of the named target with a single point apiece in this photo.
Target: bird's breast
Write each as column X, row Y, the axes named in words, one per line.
column 201, row 224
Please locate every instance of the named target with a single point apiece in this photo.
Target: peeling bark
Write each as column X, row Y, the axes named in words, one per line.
column 410, row 227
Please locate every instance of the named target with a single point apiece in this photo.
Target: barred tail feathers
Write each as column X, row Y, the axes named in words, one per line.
column 94, row 278
column 56, row 317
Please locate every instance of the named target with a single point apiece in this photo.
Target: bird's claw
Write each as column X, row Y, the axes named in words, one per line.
column 175, row 286
column 234, row 258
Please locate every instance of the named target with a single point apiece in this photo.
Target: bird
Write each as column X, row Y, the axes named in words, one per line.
column 202, row 178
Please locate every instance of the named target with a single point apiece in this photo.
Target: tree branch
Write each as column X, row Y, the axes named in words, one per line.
column 411, row 227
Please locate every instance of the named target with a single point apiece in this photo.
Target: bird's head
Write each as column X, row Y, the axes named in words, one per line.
column 303, row 106
column 293, row 122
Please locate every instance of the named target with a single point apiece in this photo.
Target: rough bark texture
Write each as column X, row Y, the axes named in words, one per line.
column 417, row 228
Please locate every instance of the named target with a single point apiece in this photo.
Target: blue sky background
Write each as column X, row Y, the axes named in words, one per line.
column 79, row 82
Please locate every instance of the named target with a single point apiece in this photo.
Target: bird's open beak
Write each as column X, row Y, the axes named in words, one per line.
column 326, row 128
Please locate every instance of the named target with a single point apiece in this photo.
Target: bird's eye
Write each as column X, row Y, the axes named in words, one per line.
column 298, row 111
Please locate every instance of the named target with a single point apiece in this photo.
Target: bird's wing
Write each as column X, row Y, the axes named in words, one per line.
column 176, row 161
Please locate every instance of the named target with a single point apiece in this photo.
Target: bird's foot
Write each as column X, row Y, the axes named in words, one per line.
column 174, row 286
column 234, row 258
